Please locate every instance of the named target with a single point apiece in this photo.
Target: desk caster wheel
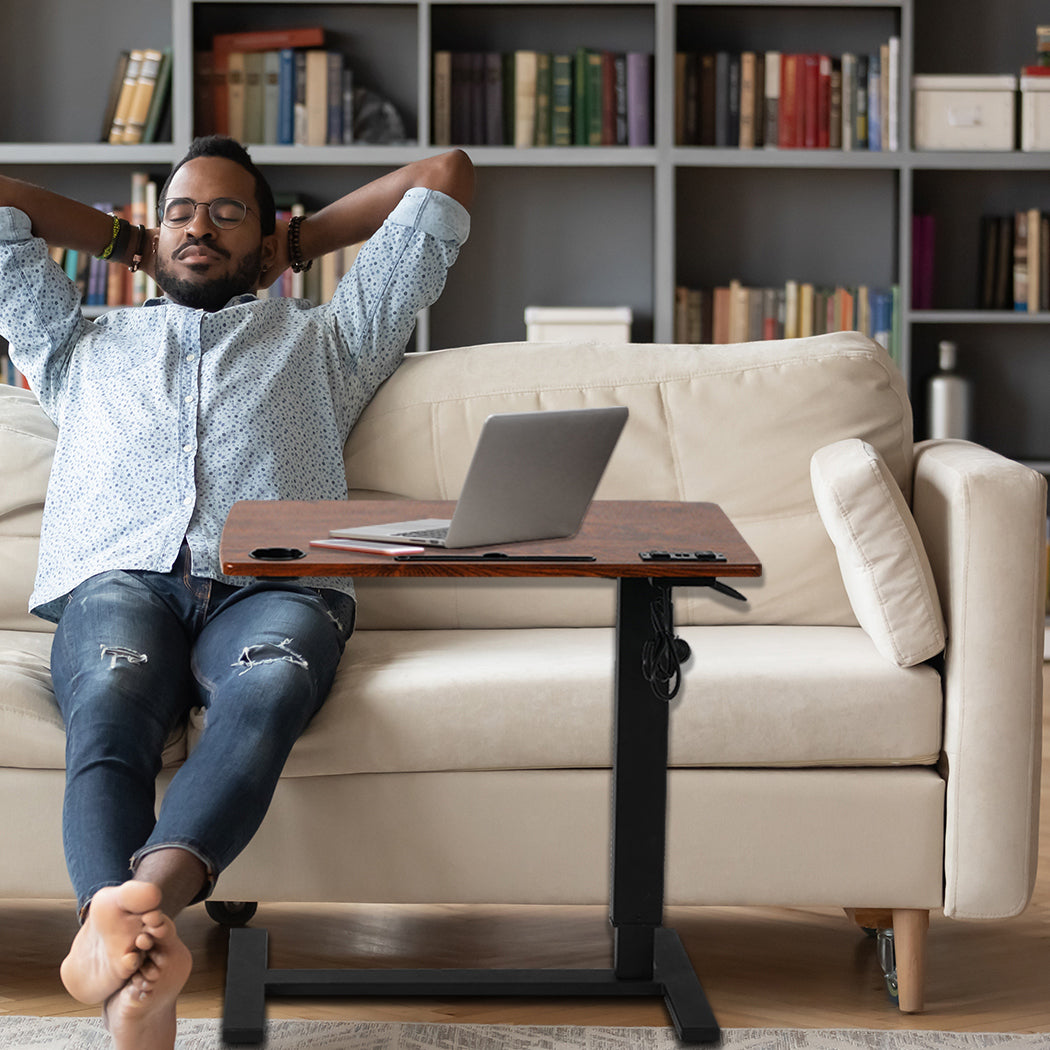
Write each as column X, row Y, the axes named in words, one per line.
column 887, row 954
column 231, row 913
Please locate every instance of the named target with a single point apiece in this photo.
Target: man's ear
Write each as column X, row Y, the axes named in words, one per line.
column 269, row 250
column 267, row 253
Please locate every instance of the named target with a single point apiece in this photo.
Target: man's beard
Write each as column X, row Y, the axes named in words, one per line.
column 215, row 293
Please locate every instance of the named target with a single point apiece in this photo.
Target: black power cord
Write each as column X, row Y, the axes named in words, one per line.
column 663, row 654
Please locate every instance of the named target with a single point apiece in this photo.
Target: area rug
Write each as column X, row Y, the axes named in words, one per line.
column 57, row 1033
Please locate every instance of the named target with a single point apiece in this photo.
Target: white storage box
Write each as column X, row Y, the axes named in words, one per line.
column 1035, row 113
column 599, row 324
column 953, row 112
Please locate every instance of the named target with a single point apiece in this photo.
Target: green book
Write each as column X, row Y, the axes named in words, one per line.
column 544, row 101
column 579, row 98
column 561, row 100
column 594, row 98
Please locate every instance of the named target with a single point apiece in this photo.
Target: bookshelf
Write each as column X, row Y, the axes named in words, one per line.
column 606, row 225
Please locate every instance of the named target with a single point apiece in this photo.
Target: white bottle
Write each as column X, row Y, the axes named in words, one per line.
column 949, row 397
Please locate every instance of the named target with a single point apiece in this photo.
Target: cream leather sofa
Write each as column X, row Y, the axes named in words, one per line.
column 464, row 753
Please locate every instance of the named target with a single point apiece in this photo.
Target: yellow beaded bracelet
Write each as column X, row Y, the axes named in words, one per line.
column 113, row 239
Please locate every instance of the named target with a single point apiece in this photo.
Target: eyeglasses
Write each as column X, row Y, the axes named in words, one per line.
column 225, row 212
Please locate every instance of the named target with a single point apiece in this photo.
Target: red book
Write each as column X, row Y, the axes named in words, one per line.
column 268, row 39
column 810, row 115
column 824, row 102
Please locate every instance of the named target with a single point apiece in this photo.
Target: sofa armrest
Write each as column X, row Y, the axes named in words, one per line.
column 982, row 518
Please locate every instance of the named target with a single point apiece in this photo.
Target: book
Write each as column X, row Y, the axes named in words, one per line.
column 748, row 113
column 789, row 127
column 594, row 97
column 893, row 95
column 113, row 96
column 874, row 96
column 145, row 85
column 771, row 114
column 580, row 80
column 639, row 98
column 316, row 98
column 722, row 89
column 235, row 94
column 1020, row 261
column 848, row 128
column 286, row 97
column 561, row 99
column 835, row 105
column 160, row 102
column 128, row 88
column 271, row 93
column 609, row 102
column 525, row 68
column 810, row 100
column 860, row 129
column 1034, row 227
column 254, row 127
column 268, row 39
column 334, row 95
column 441, row 132
column 544, row 98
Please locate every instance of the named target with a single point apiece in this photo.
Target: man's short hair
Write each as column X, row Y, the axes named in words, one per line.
column 231, row 149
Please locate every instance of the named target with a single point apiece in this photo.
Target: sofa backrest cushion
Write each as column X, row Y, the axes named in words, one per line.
column 27, row 446
column 735, row 425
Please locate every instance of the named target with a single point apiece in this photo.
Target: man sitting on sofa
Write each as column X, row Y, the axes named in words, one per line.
column 167, row 414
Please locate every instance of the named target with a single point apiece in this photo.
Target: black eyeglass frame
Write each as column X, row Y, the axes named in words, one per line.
column 163, row 206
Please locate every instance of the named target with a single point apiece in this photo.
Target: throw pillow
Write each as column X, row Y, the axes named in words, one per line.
column 884, row 566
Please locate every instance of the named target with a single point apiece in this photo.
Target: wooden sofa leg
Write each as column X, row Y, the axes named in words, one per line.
column 910, row 926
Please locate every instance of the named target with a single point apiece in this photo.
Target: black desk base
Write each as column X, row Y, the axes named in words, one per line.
column 249, row 981
column 649, row 958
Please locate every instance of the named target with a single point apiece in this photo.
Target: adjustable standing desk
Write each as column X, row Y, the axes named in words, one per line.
column 649, row 959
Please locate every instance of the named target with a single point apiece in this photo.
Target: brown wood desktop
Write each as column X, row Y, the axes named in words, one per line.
column 649, row 959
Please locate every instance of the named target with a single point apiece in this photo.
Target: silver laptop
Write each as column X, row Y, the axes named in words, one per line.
column 532, row 477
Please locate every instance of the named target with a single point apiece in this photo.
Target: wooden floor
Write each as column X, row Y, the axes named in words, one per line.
column 760, row 968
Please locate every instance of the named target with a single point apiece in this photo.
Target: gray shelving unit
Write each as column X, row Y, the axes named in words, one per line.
column 605, row 225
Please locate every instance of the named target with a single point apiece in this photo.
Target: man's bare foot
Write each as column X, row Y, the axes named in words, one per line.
column 122, row 924
column 141, row 1015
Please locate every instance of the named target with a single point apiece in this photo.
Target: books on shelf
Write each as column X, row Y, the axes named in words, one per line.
column 274, row 87
column 789, row 100
column 528, row 98
column 139, row 100
column 736, row 313
column 1014, row 262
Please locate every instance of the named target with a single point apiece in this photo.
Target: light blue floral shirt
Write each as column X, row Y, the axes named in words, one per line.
column 167, row 415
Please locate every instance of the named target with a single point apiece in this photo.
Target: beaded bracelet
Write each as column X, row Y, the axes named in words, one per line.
column 108, row 251
column 295, row 254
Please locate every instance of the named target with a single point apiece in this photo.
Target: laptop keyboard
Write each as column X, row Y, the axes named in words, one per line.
column 426, row 534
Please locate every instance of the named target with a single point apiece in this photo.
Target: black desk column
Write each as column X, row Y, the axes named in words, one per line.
column 639, row 792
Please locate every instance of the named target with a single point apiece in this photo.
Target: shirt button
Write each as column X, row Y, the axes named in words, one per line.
column 188, row 501
column 187, row 448
column 189, row 399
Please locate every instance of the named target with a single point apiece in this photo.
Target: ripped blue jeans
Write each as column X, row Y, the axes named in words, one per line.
column 134, row 652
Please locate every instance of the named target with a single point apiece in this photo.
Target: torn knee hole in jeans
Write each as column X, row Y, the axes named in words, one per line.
column 118, row 652
column 268, row 653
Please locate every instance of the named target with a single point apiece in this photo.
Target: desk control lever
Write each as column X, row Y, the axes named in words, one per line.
column 724, row 588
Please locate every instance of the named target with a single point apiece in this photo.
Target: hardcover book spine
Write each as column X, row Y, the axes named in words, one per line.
column 639, row 98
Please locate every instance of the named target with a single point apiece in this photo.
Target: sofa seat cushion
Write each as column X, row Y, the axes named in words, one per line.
column 31, row 732
column 535, row 699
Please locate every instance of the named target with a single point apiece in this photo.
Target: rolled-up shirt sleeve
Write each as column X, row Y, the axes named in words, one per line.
column 398, row 272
